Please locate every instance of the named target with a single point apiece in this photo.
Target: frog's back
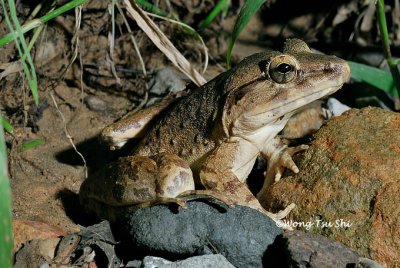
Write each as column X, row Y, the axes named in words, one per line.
column 186, row 127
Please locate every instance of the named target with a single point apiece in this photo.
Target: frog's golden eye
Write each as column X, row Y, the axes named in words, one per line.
column 282, row 69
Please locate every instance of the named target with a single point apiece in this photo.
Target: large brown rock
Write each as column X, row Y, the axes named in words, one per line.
column 350, row 175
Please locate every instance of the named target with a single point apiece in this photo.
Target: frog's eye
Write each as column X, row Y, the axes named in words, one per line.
column 282, row 69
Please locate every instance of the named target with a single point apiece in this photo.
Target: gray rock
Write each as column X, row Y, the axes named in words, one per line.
column 367, row 263
column 300, row 249
column 155, row 262
column 95, row 104
column 167, row 80
column 134, row 264
column 205, row 261
column 241, row 234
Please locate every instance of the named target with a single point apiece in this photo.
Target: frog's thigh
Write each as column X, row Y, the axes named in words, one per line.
column 130, row 180
column 174, row 175
column 221, row 173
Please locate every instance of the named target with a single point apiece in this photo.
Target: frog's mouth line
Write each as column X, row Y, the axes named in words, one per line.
column 276, row 112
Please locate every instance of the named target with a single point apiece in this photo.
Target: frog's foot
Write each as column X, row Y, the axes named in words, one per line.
column 207, row 194
column 282, row 213
column 281, row 160
column 279, row 157
column 164, row 200
column 277, row 217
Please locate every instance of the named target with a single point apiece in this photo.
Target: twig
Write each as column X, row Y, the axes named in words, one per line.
column 69, row 137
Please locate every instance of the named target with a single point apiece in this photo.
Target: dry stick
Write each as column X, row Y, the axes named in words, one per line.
column 69, row 137
column 185, row 26
column 135, row 45
column 75, row 41
column 163, row 43
column 78, row 20
column 111, row 42
column 81, row 74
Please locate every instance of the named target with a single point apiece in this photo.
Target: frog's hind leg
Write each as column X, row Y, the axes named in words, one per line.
column 174, row 178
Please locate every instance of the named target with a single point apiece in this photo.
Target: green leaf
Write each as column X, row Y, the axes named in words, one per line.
column 218, row 8
column 31, row 144
column 6, row 241
column 6, row 125
column 373, row 76
column 248, row 10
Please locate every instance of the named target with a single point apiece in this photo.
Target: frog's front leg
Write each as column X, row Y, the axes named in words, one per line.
column 134, row 124
column 279, row 157
column 226, row 169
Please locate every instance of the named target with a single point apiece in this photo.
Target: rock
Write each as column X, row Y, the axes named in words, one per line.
column 348, row 187
column 95, row 103
column 300, row 249
column 97, row 245
column 306, row 121
column 336, row 107
column 213, row 260
column 367, row 263
column 241, row 234
column 167, row 80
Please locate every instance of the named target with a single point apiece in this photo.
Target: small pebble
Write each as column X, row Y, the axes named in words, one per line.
column 95, row 104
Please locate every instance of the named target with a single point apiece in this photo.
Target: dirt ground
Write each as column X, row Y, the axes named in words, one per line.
column 78, row 100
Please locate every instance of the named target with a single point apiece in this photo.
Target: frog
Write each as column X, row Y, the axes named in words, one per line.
column 205, row 141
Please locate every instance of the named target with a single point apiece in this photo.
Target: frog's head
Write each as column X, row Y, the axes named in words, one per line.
column 270, row 86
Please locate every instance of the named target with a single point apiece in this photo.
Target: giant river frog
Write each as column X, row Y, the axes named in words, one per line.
column 211, row 136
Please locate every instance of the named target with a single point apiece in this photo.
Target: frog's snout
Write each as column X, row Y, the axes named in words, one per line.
column 346, row 72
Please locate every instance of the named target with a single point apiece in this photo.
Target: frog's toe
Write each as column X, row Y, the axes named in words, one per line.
column 285, row 160
column 277, row 217
column 164, row 200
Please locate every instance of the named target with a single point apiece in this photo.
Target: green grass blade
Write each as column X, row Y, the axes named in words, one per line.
column 219, row 7
column 38, row 22
column 248, row 10
column 61, row 10
column 6, row 125
column 394, row 70
column 150, row 7
column 22, row 48
column 373, row 76
column 6, row 237
column 32, row 144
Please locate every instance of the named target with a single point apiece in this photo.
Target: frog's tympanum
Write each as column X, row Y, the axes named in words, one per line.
column 213, row 135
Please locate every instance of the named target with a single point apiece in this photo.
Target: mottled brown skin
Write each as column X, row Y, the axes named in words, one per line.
column 220, row 128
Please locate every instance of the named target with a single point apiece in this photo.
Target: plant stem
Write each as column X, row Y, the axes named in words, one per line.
column 380, row 11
